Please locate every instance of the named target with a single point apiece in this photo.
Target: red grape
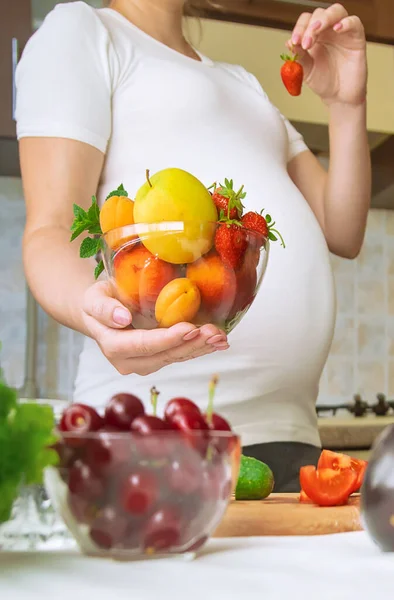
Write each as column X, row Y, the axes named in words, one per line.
column 139, row 492
column 122, row 409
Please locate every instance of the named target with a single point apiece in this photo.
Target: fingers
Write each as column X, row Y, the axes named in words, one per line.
column 320, row 21
column 300, row 28
column 209, row 340
column 348, row 24
column 100, row 304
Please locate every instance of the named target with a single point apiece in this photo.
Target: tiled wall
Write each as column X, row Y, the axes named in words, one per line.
column 362, row 355
column 58, row 347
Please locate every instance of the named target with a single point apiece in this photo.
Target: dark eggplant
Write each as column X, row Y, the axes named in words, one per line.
column 377, row 492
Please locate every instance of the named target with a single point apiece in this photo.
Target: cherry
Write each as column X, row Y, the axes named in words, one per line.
column 182, row 405
column 108, row 449
column 147, row 424
column 218, row 423
column 139, row 492
column 194, row 428
column 184, row 473
column 79, row 419
column 109, row 528
column 122, row 409
column 163, row 529
column 82, row 509
column 83, row 481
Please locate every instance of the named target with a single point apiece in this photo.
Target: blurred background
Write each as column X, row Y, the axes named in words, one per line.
column 40, row 357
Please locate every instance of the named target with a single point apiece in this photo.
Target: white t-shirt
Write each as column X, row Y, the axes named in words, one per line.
column 91, row 75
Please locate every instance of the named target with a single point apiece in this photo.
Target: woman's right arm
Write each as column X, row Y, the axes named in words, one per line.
column 56, row 174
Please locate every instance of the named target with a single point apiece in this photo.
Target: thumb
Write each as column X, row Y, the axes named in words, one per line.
column 102, row 306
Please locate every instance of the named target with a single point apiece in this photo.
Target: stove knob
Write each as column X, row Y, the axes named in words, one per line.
column 382, row 407
column 359, row 407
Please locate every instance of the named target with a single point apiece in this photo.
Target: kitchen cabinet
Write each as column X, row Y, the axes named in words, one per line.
column 18, row 20
column 377, row 15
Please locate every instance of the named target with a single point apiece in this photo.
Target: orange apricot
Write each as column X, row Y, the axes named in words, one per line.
column 217, row 285
column 177, row 302
column 140, row 276
column 116, row 212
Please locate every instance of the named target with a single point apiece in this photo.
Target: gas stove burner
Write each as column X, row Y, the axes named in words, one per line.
column 360, row 408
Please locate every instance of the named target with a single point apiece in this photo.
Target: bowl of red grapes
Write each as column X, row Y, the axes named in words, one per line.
column 130, row 485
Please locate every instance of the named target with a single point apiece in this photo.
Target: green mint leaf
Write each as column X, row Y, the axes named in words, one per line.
column 79, row 212
column 89, row 247
column 77, row 232
column 119, row 192
column 95, row 229
column 94, row 211
column 268, row 218
column 272, row 237
column 99, row 269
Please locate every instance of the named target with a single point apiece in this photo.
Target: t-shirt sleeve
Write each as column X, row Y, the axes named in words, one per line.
column 296, row 143
column 64, row 78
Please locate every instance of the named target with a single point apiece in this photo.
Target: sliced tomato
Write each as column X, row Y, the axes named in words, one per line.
column 304, row 498
column 327, row 487
column 338, row 461
column 359, row 466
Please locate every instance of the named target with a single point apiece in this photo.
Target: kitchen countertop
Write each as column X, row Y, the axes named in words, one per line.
column 342, row 566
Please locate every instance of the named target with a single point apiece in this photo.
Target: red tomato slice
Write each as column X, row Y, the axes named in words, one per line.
column 338, row 461
column 304, row 498
column 327, row 487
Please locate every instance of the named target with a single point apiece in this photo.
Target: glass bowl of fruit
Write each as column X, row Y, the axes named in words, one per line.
column 179, row 251
column 132, row 486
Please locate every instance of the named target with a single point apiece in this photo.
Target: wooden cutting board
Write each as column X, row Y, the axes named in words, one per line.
column 283, row 514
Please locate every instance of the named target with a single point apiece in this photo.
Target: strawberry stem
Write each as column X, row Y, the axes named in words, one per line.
column 147, row 178
column 212, row 187
column 212, row 389
column 154, row 394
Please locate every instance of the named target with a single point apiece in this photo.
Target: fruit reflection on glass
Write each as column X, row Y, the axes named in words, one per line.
column 179, row 251
column 143, row 485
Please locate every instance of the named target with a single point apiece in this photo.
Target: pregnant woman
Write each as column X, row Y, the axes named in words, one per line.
column 104, row 94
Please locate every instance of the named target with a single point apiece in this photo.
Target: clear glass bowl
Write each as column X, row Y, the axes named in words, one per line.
column 130, row 496
column 170, row 272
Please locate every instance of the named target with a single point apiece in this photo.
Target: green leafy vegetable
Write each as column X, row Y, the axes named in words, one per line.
column 26, row 437
column 89, row 222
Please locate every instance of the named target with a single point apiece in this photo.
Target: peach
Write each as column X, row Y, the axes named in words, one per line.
column 217, row 285
column 177, row 302
column 140, row 276
column 116, row 212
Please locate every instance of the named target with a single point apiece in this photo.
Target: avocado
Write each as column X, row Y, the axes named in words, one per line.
column 255, row 480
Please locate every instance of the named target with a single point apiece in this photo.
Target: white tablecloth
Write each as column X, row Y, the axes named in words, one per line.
column 337, row 567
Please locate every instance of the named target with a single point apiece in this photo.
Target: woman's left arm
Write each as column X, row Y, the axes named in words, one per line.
column 332, row 48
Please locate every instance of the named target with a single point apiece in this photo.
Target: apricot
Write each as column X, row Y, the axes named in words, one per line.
column 116, row 212
column 177, row 302
column 140, row 276
column 217, row 285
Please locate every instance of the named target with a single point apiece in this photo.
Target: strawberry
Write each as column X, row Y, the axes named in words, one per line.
column 227, row 201
column 231, row 243
column 292, row 74
column 262, row 225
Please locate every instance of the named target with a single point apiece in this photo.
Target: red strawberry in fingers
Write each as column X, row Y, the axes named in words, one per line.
column 227, row 201
column 263, row 226
column 292, row 74
column 231, row 243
